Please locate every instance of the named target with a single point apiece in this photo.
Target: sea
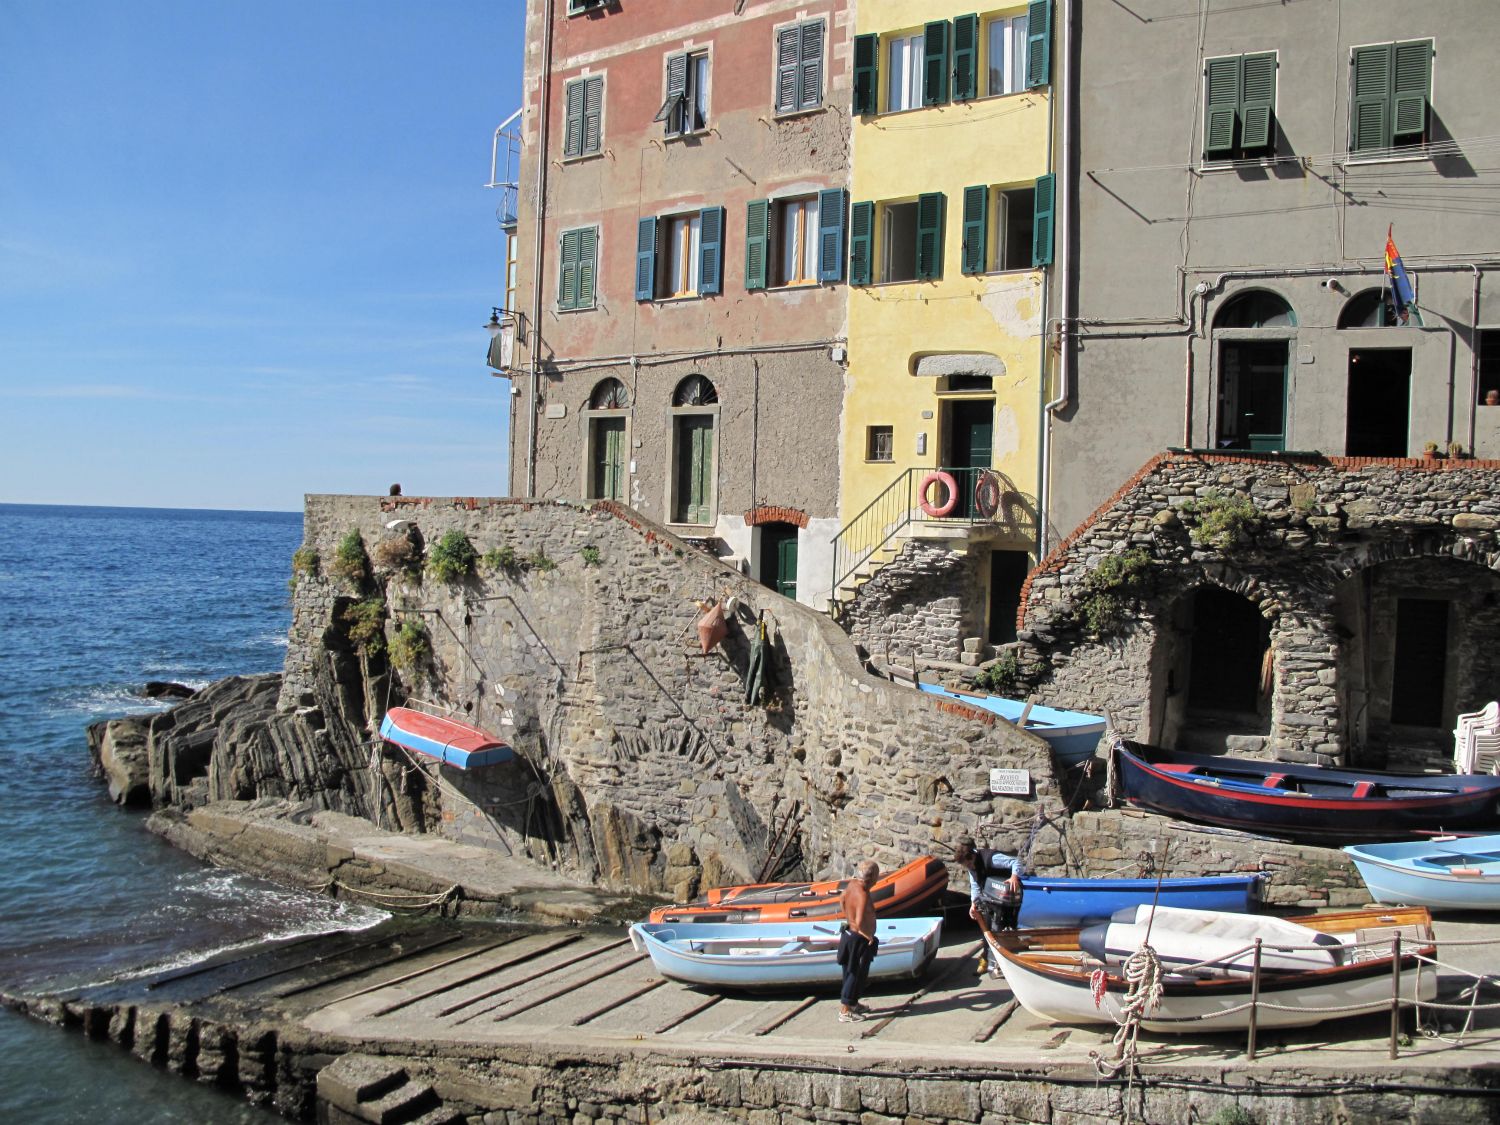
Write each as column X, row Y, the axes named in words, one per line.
column 93, row 603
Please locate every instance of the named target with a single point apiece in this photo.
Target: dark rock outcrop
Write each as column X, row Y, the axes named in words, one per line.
column 165, row 689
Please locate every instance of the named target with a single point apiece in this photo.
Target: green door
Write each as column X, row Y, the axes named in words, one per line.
column 970, row 448
column 609, row 459
column 786, row 567
column 695, row 465
column 1252, row 402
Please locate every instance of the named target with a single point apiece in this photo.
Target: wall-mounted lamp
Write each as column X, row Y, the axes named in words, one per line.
column 494, row 327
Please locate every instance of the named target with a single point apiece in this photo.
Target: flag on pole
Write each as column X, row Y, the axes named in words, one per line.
column 1402, row 296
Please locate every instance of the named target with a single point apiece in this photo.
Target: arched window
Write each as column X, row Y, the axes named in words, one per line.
column 609, row 394
column 693, row 485
column 606, row 425
column 1258, row 308
column 695, row 390
column 1370, row 308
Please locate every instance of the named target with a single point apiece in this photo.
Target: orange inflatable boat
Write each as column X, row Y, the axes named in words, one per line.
column 906, row 888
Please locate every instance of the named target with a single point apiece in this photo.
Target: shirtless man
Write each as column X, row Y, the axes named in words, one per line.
column 858, row 945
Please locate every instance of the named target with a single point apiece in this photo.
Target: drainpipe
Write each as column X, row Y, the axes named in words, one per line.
column 1474, row 357
column 545, row 100
column 1062, row 264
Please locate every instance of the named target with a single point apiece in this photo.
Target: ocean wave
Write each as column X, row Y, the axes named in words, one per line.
column 108, row 699
column 275, row 640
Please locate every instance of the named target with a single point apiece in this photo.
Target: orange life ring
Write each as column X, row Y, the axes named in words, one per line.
column 987, row 494
column 950, row 497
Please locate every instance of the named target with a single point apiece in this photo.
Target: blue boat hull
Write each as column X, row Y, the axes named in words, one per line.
column 769, row 956
column 1449, row 874
column 1073, row 735
column 1082, row 902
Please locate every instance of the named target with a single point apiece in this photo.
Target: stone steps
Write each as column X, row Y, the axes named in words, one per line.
column 364, row 1088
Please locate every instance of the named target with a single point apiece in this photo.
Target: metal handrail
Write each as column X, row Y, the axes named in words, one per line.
column 899, row 505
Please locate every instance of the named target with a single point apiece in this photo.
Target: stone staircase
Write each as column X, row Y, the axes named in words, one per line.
column 957, row 538
column 356, row 1089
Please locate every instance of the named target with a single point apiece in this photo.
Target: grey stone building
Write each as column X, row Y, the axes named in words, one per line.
column 1232, row 177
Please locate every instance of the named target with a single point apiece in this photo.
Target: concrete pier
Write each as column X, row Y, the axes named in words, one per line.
column 446, row 1021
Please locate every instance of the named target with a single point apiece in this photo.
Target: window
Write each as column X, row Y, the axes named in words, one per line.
column 578, row 7
column 797, row 255
column 904, row 82
column 912, row 239
column 1000, row 227
column 695, row 414
column 1489, row 365
column 798, row 240
column 1005, row 54
column 583, row 132
column 799, row 66
column 577, row 268
column 679, row 255
column 1239, row 106
column 880, row 444
column 686, row 109
column 1391, row 87
column 512, row 268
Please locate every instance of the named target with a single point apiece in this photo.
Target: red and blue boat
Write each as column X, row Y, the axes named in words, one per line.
column 446, row 740
column 1304, row 803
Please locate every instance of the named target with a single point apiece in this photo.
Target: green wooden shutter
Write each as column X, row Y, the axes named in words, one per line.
column 866, row 73
column 1038, row 43
column 645, row 259
column 861, row 243
column 935, row 63
column 573, row 120
column 567, row 273
column 1045, row 202
column 831, row 207
column 976, row 228
column 593, row 113
column 1411, row 89
column 1221, row 106
column 710, row 250
column 588, row 245
column 930, row 208
column 1370, row 110
column 1257, row 101
column 671, row 111
column 788, row 45
column 810, row 76
column 757, row 242
column 965, row 57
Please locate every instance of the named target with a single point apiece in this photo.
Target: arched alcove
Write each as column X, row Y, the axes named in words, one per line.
column 1256, row 308
column 1214, row 670
column 1253, row 332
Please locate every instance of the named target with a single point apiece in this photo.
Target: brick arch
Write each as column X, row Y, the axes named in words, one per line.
column 770, row 513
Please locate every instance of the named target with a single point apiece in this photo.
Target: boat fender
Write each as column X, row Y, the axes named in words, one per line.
column 949, row 496
column 712, row 628
column 1464, row 871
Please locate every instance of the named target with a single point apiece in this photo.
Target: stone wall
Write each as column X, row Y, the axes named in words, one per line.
column 922, row 604
column 640, row 763
column 1333, row 542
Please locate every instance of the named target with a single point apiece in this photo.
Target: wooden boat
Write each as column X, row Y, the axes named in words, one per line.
column 905, row 889
column 1303, row 803
column 781, row 955
column 447, row 740
column 1055, row 978
column 1073, row 735
column 1078, row 902
column 1457, row 874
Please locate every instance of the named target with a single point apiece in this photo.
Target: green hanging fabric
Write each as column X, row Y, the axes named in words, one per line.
column 756, row 670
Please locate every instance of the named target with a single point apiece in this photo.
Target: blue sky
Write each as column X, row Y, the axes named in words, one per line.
column 246, row 251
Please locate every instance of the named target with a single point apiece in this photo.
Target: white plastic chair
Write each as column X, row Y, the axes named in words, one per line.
column 1485, row 721
column 1484, row 753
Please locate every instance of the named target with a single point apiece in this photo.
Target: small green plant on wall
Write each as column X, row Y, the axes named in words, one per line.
column 541, row 562
column 1110, row 587
column 305, row 561
column 409, row 646
column 590, row 555
column 1219, row 521
column 500, row 560
column 349, row 558
column 453, row 559
column 399, row 556
column 1004, row 675
column 365, row 622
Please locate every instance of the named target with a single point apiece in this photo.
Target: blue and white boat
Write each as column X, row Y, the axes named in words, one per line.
column 1073, row 735
column 780, row 955
column 1082, row 902
column 1457, row 873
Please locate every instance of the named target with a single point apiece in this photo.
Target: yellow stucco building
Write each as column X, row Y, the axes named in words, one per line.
column 951, row 231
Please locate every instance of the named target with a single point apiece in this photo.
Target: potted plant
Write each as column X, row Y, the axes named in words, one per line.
column 1430, row 451
column 1456, row 450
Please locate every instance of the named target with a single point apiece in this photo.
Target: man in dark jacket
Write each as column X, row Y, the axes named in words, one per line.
column 1001, row 902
